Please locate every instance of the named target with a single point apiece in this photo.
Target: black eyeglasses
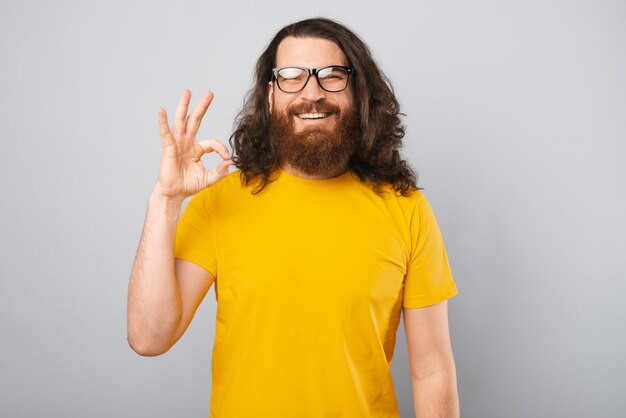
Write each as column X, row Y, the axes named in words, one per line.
column 333, row 78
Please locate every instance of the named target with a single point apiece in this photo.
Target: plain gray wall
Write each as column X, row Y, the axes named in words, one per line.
column 516, row 117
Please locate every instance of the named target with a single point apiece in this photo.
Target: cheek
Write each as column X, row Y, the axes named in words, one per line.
column 348, row 104
column 347, row 100
column 279, row 105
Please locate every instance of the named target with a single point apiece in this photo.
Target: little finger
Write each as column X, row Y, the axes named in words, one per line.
column 164, row 129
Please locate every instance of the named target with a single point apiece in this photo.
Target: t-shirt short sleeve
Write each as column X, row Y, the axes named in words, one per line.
column 428, row 278
column 194, row 234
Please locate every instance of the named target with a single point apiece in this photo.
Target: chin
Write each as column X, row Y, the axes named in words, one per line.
column 321, row 127
column 314, row 134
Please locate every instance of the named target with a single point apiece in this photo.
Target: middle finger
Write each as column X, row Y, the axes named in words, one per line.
column 194, row 120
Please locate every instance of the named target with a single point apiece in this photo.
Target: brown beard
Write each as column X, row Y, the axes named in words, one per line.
column 315, row 151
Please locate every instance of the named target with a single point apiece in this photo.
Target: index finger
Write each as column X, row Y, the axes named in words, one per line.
column 193, row 123
column 209, row 145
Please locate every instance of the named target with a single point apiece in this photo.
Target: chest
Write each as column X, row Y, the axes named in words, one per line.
column 311, row 251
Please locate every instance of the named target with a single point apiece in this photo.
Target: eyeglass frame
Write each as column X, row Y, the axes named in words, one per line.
column 309, row 73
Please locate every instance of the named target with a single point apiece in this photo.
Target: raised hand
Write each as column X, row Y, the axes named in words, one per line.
column 182, row 173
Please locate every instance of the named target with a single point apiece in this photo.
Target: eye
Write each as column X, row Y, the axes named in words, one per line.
column 333, row 73
column 291, row 74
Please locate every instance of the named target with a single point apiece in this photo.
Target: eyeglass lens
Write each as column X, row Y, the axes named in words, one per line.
column 333, row 79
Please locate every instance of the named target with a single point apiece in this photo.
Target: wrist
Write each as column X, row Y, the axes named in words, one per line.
column 163, row 199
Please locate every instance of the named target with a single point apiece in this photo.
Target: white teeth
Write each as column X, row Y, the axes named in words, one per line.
column 312, row 115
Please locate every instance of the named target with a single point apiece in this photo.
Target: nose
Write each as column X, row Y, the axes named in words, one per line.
column 312, row 91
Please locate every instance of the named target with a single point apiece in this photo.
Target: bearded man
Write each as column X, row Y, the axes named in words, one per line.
column 316, row 244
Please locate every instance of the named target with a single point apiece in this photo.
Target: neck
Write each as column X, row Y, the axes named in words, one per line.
column 295, row 172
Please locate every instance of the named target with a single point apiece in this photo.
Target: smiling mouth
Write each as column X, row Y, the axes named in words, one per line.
column 313, row 115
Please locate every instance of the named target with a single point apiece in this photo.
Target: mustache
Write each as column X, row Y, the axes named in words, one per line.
column 318, row 107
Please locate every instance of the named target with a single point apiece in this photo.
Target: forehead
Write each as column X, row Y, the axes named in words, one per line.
column 309, row 53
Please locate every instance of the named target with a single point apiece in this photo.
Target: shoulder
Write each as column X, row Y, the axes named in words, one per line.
column 232, row 181
column 229, row 184
column 408, row 205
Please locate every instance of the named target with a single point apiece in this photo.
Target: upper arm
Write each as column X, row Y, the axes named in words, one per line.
column 428, row 339
column 428, row 278
column 193, row 283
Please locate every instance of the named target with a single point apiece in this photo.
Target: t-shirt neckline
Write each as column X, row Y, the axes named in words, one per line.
column 333, row 181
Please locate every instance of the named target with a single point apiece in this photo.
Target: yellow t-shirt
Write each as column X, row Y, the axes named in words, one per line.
column 311, row 276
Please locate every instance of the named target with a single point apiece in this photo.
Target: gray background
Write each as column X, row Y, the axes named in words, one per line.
column 516, row 124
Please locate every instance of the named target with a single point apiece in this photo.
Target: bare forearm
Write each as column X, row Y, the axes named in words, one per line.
column 436, row 396
column 154, row 303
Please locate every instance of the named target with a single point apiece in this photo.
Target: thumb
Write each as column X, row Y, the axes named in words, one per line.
column 222, row 167
column 218, row 172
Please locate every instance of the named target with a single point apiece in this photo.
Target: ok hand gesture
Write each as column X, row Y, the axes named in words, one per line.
column 182, row 173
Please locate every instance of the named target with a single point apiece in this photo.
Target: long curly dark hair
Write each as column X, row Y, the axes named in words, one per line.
column 377, row 157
